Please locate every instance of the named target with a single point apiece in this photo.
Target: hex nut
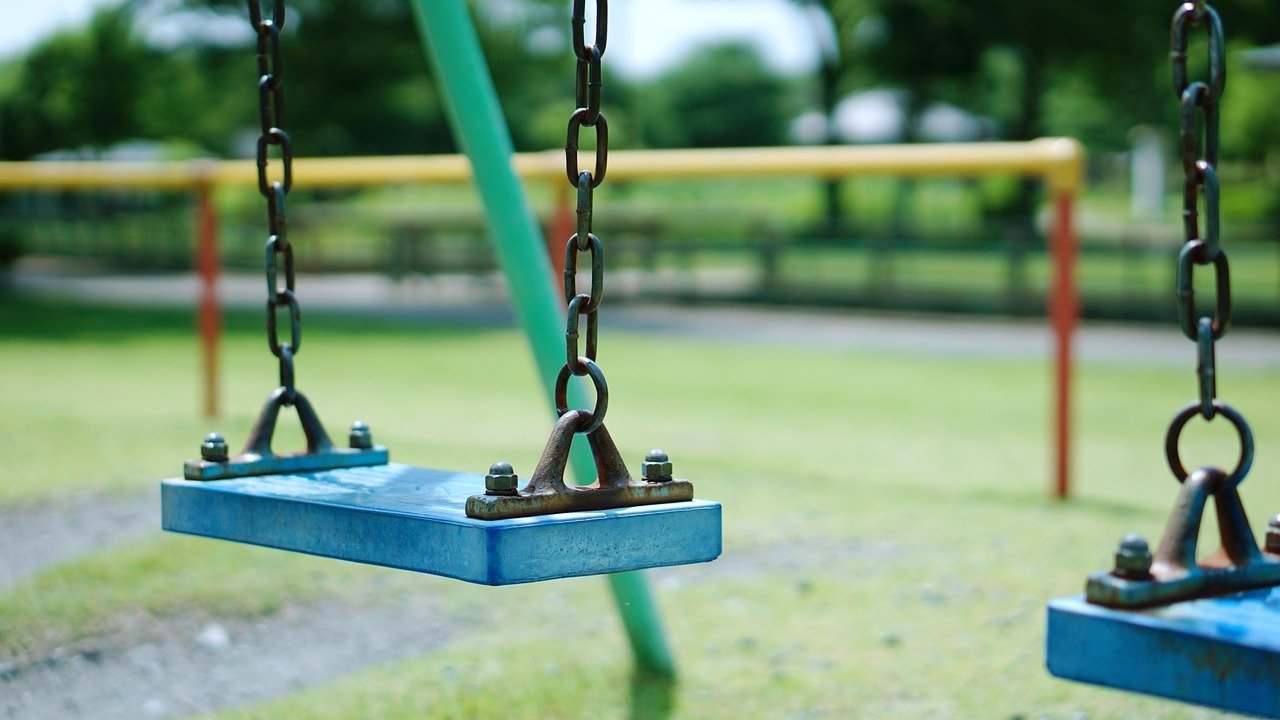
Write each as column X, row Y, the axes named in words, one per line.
column 501, row 480
column 656, row 466
column 360, row 437
column 214, row 448
column 1273, row 535
column 1133, row 558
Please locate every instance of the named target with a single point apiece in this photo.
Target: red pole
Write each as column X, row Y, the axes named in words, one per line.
column 1063, row 314
column 209, row 311
column 563, row 223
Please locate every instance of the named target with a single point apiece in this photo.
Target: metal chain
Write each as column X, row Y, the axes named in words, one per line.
column 589, row 83
column 278, row 250
column 1198, row 131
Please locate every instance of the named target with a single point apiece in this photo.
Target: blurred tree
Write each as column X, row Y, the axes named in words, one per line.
column 720, row 96
column 1028, row 64
column 76, row 89
column 356, row 80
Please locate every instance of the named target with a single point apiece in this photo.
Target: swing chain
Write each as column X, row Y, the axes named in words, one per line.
column 588, row 86
column 279, row 251
column 1198, row 133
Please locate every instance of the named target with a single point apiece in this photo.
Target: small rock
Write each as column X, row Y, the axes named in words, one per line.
column 214, row 637
column 932, row 594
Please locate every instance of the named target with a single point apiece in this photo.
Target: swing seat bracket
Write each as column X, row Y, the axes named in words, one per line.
column 259, row 459
column 547, row 492
column 1173, row 574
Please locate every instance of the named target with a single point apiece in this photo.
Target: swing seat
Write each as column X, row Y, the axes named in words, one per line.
column 414, row 519
column 1204, row 632
column 1221, row 652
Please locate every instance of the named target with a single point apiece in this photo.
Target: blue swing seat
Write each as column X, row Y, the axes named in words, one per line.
column 413, row 518
column 1221, row 652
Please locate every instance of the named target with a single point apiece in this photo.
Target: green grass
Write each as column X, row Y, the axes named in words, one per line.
column 889, row 543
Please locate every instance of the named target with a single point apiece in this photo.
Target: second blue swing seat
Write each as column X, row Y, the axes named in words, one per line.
column 1221, row 652
column 376, row 512
column 1203, row 632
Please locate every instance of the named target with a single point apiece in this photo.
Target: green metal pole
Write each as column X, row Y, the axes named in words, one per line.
column 453, row 50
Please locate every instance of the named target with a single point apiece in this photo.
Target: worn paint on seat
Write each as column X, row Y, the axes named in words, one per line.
column 1222, row 652
column 413, row 519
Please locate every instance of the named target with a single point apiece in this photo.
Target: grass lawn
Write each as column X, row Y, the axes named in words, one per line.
column 889, row 541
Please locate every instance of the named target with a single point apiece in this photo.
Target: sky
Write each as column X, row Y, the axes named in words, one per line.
column 23, row 23
column 645, row 36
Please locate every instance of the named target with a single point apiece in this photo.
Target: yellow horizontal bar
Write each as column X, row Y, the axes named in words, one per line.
column 1060, row 161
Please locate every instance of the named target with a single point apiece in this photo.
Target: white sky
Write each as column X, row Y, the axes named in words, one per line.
column 23, row 23
column 646, row 36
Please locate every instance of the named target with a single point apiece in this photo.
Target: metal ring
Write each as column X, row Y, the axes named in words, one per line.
column 596, row 248
column 1195, row 96
column 270, row 102
column 1207, row 368
column 1192, row 409
column 275, row 136
column 571, row 334
column 287, row 376
column 1212, row 208
column 1193, row 253
column 1191, row 13
column 584, row 210
column 295, row 322
column 576, row 121
column 588, row 86
column 579, row 23
column 277, row 216
column 602, row 393
column 276, row 245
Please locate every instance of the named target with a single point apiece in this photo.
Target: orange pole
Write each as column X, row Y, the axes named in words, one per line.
column 209, row 311
column 563, row 223
column 1063, row 315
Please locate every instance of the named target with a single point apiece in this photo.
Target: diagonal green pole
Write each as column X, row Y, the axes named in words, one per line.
column 453, row 50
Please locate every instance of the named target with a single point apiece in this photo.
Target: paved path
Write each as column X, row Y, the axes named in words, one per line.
column 483, row 299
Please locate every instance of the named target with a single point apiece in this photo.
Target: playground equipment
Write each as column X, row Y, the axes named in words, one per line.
column 353, row 504
column 1152, row 624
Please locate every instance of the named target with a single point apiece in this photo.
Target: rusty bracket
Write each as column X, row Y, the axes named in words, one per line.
column 547, row 492
column 257, row 458
column 1173, row 575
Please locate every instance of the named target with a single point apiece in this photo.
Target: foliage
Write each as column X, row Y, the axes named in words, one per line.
column 11, row 247
column 356, row 83
column 77, row 88
column 720, row 96
column 1037, row 68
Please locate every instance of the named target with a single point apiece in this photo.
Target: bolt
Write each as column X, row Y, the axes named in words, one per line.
column 656, row 466
column 501, row 480
column 1133, row 558
column 1273, row 535
column 214, row 448
column 360, row 437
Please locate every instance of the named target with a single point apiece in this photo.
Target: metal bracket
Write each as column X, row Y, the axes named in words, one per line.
column 547, row 492
column 257, row 458
column 1173, row 575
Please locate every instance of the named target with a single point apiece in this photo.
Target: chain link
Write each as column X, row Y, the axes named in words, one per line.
column 1198, row 132
column 279, row 251
column 588, row 77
